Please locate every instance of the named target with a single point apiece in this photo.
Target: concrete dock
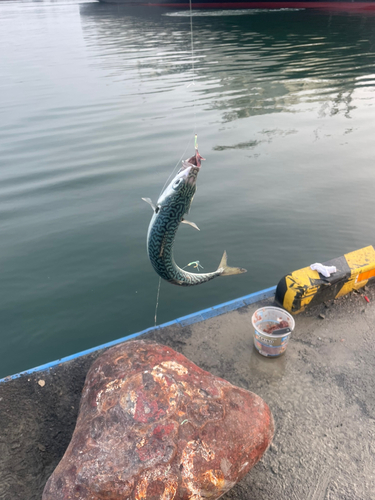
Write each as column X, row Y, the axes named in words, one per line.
column 321, row 393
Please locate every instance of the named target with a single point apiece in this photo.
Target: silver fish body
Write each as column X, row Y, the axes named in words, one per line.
column 169, row 212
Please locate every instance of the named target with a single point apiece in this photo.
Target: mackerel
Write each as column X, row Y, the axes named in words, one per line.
column 169, row 212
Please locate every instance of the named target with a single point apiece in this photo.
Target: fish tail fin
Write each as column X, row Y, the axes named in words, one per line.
column 226, row 270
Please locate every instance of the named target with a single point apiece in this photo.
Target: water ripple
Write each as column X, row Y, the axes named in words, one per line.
column 98, row 104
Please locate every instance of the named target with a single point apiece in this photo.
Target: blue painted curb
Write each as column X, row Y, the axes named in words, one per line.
column 190, row 319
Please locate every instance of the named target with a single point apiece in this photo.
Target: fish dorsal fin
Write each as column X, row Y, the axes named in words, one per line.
column 150, row 202
column 192, row 224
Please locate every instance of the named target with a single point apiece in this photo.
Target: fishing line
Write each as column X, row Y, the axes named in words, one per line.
column 157, row 302
column 194, row 132
column 192, row 61
column 177, row 164
column 192, row 39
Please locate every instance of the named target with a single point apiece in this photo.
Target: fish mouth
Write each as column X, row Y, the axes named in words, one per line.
column 194, row 165
column 195, row 160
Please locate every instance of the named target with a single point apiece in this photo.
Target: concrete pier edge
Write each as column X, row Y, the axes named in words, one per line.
column 189, row 319
column 321, row 394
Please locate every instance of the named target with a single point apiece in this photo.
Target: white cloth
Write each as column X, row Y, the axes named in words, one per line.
column 324, row 270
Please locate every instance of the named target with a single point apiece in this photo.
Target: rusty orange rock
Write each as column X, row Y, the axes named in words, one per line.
column 154, row 426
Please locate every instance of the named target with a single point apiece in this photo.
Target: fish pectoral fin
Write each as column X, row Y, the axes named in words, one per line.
column 192, row 224
column 150, row 202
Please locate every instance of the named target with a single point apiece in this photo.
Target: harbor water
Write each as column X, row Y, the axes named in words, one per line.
column 98, row 104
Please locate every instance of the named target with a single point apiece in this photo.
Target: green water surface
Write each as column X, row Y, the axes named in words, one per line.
column 99, row 102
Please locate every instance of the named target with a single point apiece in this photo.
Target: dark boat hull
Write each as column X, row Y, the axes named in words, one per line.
column 353, row 5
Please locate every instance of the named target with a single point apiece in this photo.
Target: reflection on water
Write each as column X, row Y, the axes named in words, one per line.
column 227, row 13
column 256, row 63
column 100, row 101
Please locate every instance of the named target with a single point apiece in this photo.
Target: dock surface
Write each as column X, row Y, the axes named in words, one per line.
column 321, row 393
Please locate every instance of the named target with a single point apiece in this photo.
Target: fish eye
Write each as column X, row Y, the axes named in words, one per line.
column 177, row 183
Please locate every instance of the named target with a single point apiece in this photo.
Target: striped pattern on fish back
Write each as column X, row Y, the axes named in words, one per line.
column 160, row 240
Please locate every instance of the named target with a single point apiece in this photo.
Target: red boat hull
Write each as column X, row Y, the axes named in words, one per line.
column 336, row 5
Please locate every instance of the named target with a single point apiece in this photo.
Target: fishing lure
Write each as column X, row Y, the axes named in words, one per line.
column 196, row 264
column 169, row 212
